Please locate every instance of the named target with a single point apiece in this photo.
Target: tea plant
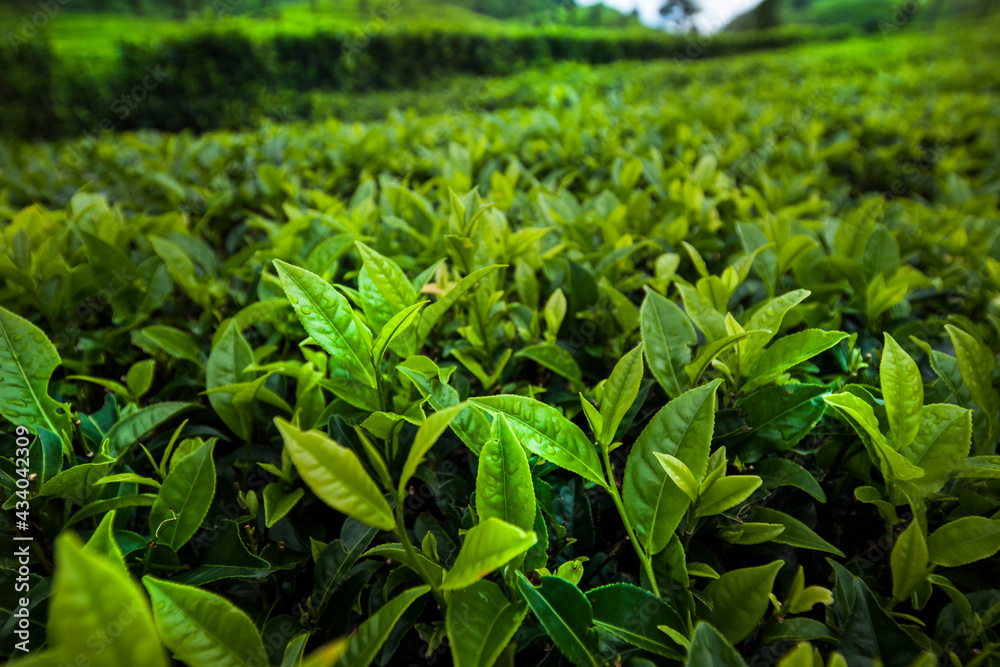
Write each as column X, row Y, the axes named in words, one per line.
column 597, row 380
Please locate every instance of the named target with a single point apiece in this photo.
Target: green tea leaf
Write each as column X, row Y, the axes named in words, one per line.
column 750, row 532
column 788, row 352
column 129, row 477
column 503, row 485
column 620, row 392
column 881, row 254
column 903, row 391
column 427, row 435
column 433, row 312
column 127, row 433
column 941, row 446
column 709, row 647
column 909, row 561
column 739, row 600
column 226, row 557
column 335, row 560
column 796, row 533
column 328, row 318
column 894, row 465
column 327, row 655
column 110, row 385
column 488, row 546
column 706, row 314
column 102, row 542
column 779, row 417
column 227, row 365
column 181, row 269
column 870, row 635
column 174, row 342
column 708, row 353
column 336, row 476
column 976, row 366
column 555, row 358
column 203, row 629
column 635, row 615
column 418, row 563
column 668, row 336
column 566, row 615
column 139, row 378
column 388, row 278
column 964, row 541
column 542, row 430
column 682, row 429
column 27, row 360
column 399, row 325
column 555, row 311
column 726, row 492
column 777, row 472
column 480, row 623
column 277, row 503
column 768, row 317
column 373, row 633
column 594, row 418
column 680, row 474
column 92, row 593
column 107, row 504
column 184, row 498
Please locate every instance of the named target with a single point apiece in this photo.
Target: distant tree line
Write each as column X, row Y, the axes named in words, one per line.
column 177, row 8
column 509, row 8
column 181, row 8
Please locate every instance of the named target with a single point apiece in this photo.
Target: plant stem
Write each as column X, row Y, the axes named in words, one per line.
column 647, row 565
column 688, row 534
column 412, row 552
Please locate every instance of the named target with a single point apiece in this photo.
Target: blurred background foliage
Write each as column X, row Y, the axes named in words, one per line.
column 84, row 66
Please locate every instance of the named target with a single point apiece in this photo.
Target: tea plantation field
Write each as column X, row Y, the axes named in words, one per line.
column 686, row 362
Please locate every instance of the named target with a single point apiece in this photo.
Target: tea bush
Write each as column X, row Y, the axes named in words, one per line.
column 219, row 77
column 686, row 363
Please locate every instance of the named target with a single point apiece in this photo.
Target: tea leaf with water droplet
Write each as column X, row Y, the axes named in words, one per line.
column 328, row 318
column 503, row 486
column 27, row 359
column 903, row 391
column 542, row 430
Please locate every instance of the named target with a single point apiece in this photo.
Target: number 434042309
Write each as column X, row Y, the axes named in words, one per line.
column 21, row 462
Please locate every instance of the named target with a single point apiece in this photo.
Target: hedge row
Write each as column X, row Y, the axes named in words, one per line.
column 214, row 78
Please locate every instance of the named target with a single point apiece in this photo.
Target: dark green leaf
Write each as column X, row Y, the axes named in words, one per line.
column 682, row 429
column 566, row 615
column 184, row 499
column 739, row 600
column 480, row 623
column 634, row 615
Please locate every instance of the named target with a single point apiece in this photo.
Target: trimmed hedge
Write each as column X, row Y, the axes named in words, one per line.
column 223, row 78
